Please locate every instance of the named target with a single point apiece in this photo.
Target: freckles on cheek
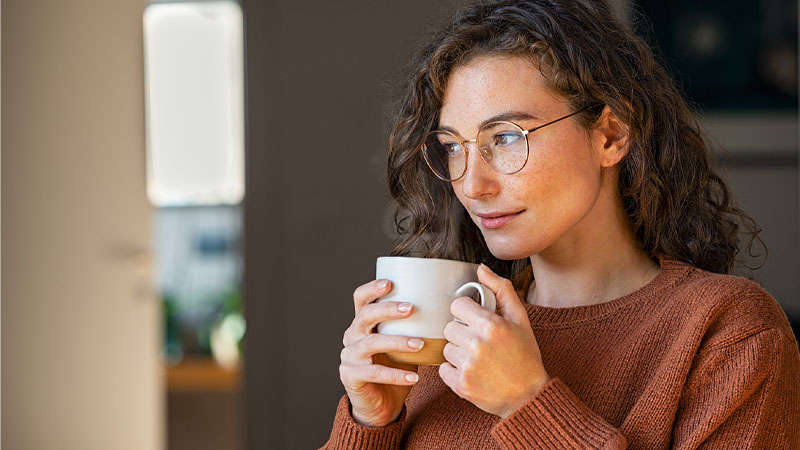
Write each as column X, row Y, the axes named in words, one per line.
column 544, row 179
column 557, row 186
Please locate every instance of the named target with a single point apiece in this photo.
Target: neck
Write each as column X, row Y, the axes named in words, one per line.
column 590, row 281
column 600, row 261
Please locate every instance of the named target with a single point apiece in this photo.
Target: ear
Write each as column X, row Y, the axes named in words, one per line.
column 612, row 138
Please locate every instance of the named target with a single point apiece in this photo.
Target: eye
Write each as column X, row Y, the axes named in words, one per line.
column 506, row 138
column 451, row 148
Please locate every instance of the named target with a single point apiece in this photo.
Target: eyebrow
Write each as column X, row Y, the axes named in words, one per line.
column 505, row 116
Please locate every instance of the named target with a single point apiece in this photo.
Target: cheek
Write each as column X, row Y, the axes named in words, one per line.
column 456, row 187
column 564, row 178
column 462, row 199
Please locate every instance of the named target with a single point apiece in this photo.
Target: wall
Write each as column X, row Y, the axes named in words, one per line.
column 769, row 193
column 316, row 196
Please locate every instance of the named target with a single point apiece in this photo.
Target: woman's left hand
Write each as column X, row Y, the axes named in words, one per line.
column 493, row 360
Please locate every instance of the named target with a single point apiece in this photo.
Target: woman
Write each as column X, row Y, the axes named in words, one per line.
column 542, row 139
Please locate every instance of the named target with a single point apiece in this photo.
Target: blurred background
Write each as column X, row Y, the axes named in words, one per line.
column 192, row 190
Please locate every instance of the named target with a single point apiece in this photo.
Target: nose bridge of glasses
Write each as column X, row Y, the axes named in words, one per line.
column 469, row 141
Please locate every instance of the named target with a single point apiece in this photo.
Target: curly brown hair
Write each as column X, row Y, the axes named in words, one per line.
column 676, row 203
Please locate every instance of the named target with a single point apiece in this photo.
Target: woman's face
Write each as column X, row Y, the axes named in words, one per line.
column 548, row 205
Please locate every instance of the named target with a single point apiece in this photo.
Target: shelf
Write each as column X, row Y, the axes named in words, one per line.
column 202, row 375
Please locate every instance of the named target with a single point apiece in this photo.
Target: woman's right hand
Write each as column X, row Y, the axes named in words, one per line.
column 376, row 385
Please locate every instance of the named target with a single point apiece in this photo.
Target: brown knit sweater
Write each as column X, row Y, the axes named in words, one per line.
column 691, row 360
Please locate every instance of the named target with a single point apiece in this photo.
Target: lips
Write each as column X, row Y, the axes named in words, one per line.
column 494, row 220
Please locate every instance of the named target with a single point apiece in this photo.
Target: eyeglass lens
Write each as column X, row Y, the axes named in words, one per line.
column 502, row 145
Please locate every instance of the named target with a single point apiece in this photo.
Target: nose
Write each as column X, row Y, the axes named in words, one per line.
column 479, row 180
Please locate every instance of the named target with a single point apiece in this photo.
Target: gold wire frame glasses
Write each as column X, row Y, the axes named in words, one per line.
column 502, row 145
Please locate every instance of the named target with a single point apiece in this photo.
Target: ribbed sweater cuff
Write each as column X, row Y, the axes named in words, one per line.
column 556, row 419
column 348, row 434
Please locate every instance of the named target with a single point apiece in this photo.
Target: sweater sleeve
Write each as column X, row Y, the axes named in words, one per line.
column 347, row 434
column 743, row 394
column 556, row 418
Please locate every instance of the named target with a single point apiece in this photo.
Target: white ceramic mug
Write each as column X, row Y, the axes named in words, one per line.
column 430, row 285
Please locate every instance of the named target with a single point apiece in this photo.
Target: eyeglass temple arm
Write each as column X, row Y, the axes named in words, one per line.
column 557, row 120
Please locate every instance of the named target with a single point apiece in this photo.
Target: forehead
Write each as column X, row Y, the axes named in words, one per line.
column 487, row 86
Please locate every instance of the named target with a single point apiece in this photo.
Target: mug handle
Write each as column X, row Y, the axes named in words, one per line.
column 488, row 300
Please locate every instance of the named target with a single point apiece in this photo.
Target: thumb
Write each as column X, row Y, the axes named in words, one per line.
column 509, row 306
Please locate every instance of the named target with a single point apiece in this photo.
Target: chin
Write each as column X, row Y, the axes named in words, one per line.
column 507, row 250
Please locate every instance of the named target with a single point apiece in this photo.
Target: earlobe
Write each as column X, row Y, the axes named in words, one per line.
column 614, row 138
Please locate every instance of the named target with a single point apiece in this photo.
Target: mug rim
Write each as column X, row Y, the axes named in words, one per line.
column 427, row 259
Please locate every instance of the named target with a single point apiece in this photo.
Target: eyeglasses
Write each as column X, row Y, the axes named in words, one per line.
column 502, row 145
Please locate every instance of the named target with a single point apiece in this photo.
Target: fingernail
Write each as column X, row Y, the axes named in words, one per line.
column 415, row 343
column 404, row 307
column 412, row 377
column 382, row 284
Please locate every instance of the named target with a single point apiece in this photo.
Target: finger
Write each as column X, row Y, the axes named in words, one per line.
column 456, row 333
column 375, row 373
column 509, row 305
column 466, row 310
column 369, row 292
column 371, row 315
column 449, row 375
column 454, row 355
column 372, row 344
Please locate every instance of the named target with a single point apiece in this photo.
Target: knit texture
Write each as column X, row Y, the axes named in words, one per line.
column 691, row 360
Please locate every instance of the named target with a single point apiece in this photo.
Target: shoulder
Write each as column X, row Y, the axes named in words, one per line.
column 730, row 308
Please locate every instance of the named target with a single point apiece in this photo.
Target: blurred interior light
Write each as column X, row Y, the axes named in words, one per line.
column 194, row 89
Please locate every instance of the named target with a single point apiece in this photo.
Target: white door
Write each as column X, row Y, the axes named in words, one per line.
column 81, row 329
